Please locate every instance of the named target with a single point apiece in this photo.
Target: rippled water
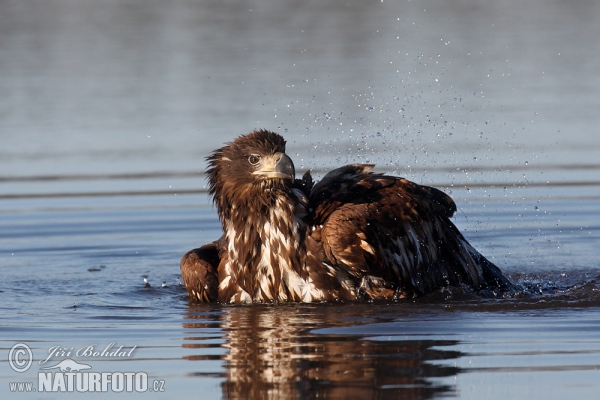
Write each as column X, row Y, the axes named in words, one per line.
column 73, row 276
column 108, row 109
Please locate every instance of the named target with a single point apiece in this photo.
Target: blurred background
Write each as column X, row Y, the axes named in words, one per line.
column 117, row 95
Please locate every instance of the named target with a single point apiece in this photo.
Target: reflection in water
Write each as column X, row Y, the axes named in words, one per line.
column 271, row 353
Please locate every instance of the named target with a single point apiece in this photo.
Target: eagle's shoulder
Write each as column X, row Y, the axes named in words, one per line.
column 348, row 182
column 358, row 184
column 199, row 271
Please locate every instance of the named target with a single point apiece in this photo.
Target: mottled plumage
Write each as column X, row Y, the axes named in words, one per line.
column 355, row 234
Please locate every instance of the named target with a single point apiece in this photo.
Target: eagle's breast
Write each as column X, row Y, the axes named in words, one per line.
column 266, row 254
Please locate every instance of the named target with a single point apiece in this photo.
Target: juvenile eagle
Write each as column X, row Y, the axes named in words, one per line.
column 353, row 235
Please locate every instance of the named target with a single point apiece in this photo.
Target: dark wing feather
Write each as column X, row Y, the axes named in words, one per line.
column 199, row 272
column 391, row 233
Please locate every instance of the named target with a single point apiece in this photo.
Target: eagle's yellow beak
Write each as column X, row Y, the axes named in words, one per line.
column 279, row 165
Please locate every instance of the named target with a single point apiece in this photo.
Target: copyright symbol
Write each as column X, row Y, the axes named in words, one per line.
column 20, row 357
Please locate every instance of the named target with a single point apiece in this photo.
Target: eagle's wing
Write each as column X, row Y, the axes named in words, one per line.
column 199, row 272
column 394, row 236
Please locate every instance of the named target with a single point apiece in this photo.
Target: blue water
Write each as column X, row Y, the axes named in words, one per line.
column 108, row 109
column 73, row 276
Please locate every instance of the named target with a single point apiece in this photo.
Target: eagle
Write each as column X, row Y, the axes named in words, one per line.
column 356, row 234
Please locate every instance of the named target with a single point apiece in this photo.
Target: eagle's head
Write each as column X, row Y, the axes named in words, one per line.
column 248, row 169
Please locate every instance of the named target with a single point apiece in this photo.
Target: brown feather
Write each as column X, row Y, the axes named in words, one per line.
column 353, row 234
column 199, row 272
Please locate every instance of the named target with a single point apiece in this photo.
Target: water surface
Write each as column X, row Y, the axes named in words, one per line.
column 108, row 109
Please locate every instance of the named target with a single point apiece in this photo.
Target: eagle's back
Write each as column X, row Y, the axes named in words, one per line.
column 392, row 236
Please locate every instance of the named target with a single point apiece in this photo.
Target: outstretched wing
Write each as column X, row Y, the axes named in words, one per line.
column 199, row 272
column 393, row 235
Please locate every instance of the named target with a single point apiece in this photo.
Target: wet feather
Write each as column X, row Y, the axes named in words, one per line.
column 354, row 234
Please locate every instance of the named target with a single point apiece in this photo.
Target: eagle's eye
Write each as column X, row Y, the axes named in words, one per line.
column 254, row 159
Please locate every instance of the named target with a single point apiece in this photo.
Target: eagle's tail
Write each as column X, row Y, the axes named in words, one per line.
column 492, row 276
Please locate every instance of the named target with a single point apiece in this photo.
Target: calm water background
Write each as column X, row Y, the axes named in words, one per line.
column 107, row 109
